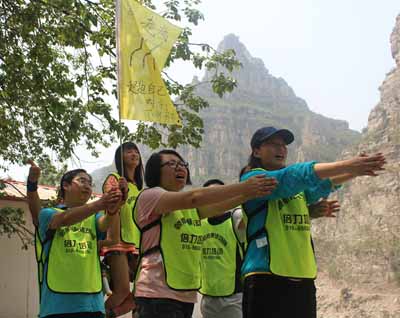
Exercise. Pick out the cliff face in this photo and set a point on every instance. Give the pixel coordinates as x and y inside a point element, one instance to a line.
<point>362,246</point>
<point>260,99</point>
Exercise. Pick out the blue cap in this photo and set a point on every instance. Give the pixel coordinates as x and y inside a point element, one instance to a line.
<point>264,133</point>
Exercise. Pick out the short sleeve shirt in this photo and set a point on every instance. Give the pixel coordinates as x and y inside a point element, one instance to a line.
<point>55,303</point>
<point>151,281</point>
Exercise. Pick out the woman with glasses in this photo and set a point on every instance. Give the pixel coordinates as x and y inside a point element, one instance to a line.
<point>72,283</point>
<point>121,257</point>
<point>171,235</point>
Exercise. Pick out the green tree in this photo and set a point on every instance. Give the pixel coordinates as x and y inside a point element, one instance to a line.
<point>58,72</point>
<point>12,221</point>
<point>51,175</point>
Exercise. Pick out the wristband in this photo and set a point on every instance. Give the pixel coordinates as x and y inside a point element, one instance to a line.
<point>31,186</point>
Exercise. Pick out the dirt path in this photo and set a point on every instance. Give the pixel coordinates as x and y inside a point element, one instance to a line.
<point>339,300</point>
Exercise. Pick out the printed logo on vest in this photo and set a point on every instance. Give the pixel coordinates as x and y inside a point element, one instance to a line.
<point>188,221</point>
<point>296,222</point>
<point>282,202</point>
<point>64,230</point>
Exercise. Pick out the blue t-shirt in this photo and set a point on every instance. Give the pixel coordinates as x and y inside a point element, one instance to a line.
<point>55,303</point>
<point>296,178</point>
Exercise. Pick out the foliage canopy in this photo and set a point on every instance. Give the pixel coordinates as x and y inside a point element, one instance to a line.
<point>58,78</point>
<point>58,84</point>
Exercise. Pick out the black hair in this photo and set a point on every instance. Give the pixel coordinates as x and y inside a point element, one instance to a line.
<point>244,170</point>
<point>138,176</point>
<point>152,174</point>
<point>253,163</point>
<point>213,181</point>
<point>67,177</point>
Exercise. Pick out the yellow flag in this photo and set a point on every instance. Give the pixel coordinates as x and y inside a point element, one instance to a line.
<point>144,42</point>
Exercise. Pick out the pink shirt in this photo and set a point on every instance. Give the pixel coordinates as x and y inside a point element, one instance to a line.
<point>151,281</point>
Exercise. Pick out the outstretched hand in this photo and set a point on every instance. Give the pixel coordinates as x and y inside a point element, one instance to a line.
<point>259,186</point>
<point>364,165</point>
<point>324,208</point>
<point>34,171</point>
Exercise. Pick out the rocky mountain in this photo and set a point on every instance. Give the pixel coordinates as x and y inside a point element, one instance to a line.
<point>260,99</point>
<point>359,251</point>
<point>361,248</point>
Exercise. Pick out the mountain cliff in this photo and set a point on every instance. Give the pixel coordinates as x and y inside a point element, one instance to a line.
<point>260,99</point>
<point>359,251</point>
<point>361,248</point>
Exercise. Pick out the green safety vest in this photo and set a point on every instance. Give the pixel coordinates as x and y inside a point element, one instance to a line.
<point>73,264</point>
<point>218,262</point>
<point>39,259</point>
<point>180,246</point>
<point>288,233</point>
<point>130,233</point>
<point>290,244</point>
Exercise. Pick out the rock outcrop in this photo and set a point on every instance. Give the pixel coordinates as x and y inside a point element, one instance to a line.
<point>260,99</point>
<point>359,251</point>
<point>361,248</point>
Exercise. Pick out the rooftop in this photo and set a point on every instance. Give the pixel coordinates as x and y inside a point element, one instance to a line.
<point>16,191</point>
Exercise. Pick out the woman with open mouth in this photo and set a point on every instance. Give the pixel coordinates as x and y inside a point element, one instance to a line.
<point>279,266</point>
<point>171,235</point>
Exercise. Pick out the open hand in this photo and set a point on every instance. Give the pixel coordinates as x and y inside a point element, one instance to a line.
<point>259,186</point>
<point>364,165</point>
<point>324,208</point>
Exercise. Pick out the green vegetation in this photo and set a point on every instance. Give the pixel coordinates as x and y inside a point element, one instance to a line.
<point>58,76</point>
<point>58,82</point>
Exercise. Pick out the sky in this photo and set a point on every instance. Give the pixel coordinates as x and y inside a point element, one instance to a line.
<point>334,54</point>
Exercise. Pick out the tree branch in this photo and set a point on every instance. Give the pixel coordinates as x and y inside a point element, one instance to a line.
<point>204,45</point>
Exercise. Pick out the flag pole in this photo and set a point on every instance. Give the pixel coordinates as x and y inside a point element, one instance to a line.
<point>117,25</point>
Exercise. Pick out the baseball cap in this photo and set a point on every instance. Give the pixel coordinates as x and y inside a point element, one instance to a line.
<point>264,133</point>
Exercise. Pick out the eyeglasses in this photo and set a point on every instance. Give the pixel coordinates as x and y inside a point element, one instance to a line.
<point>84,181</point>
<point>174,164</point>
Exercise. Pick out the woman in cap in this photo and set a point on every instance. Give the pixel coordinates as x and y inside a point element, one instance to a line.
<point>279,266</point>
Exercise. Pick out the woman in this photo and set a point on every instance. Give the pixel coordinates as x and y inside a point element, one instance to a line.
<point>279,265</point>
<point>72,285</point>
<point>171,235</point>
<point>122,256</point>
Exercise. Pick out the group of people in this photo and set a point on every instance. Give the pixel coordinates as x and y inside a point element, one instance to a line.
<point>246,247</point>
